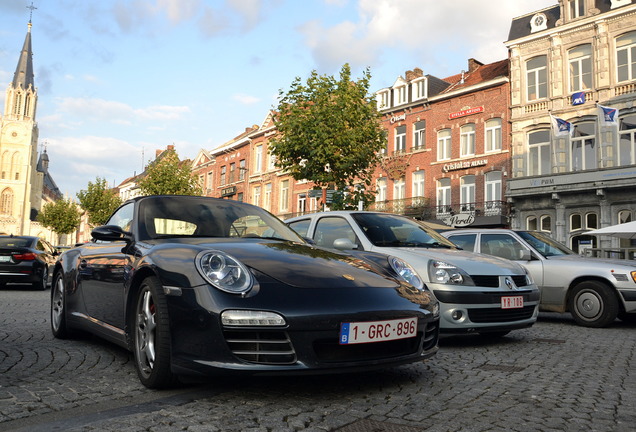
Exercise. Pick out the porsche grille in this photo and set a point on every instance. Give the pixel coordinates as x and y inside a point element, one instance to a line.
<point>265,347</point>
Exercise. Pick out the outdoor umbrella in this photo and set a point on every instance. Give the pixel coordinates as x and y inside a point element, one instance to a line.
<point>625,230</point>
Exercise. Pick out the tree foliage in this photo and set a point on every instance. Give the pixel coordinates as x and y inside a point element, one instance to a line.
<point>167,175</point>
<point>99,201</point>
<point>329,132</point>
<point>62,216</point>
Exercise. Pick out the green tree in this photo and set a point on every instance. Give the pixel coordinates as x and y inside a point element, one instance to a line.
<point>167,175</point>
<point>99,201</point>
<point>329,132</point>
<point>62,216</point>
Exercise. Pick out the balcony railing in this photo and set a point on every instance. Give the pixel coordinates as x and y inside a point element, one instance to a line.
<point>420,208</point>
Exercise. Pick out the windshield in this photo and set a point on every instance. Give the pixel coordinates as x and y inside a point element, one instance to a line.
<point>183,216</point>
<point>544,244</point>
<point>389,230</point>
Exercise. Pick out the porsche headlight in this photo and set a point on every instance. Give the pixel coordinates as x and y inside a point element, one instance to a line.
<point>445,273</point>
<point>224,272</point>
<point>406,272</point>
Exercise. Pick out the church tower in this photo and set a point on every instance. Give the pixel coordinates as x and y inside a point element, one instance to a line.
<point>18,148</point>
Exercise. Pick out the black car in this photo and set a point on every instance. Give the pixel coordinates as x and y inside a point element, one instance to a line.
<point>26,260</point>
<point>196,285</point>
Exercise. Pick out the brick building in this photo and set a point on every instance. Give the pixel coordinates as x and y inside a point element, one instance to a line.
<point>448,151</point>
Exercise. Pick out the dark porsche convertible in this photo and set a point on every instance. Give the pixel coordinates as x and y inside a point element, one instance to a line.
<point>196,286</point>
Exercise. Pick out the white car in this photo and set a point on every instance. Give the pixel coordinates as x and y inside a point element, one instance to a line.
<point>594,290</point>
<point>487,295</point>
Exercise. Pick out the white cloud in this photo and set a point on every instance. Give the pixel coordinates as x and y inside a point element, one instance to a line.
<point>245,99</point>
<point>117,112</point>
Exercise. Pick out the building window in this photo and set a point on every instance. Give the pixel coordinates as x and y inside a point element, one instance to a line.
<point>539,152</point>
<point>443,195</point>
<point>575,222</point>
<point>467,193</point>
<point>419,135</point>
<point>626,57</point>
<point>467,140</point>
<point>284,195</point>
<point>624,216</point>
<point>6,202</point>
<point>591,221</point>
<point>267,198</point>
<point>232,172</point>
<point>576,8</point>
<point>381,190</point>
<point>418,185</point>
<point>492,190</point>
<point>627,142</point>
<point>444,144</point>
<point>302,203</point>
<point>223,174</point>
<point>256,196</point>
<point>16,163</point>
<point>6,164</point>
<point>537,78</point>
<point>493,135</point>
<point>399,95</point>
<point>400,139</point>
<point>271,162</point>
<point>399,189</point>
<point>239,196</point>
<point>583,155</point>
<point>580,68</point>
<point>210,181</point>
<point>383,99</point>
<point>242,170</point>
<point>418,87</point>
<point>258,158</point>
<point>531,223</point>
<point>546,223</point>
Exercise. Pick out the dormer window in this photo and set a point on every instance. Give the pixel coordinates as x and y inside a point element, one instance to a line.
<point>418,89</point>
<point>576,8</point>
<point>399,95</point>
<point>382,99</point>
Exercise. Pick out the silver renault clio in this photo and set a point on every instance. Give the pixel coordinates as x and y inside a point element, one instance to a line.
<point>477,293</point>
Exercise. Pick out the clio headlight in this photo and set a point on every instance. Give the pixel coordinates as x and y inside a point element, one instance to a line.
<point>224,271</point>
<point>445,273</point>
<point>406,272</point>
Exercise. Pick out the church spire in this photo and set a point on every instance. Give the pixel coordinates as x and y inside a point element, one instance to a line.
<point>23,77</point>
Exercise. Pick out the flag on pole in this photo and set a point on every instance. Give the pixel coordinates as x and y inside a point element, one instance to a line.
<point>560,127</point>
<point>607,116</point>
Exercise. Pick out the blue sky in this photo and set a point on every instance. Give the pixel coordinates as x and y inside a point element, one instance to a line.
<point>118,79</point>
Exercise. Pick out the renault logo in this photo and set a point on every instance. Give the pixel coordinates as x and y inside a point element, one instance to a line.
<point>510,284</point>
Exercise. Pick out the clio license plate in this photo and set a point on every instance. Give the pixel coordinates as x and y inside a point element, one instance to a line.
<point>512,302</point>
<point>377,331</point>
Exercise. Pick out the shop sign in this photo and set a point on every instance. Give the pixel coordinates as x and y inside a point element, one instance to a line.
<point>396,119</point>
<point>463,165</point>
<point>578,98</point>
<point>228,191</point>
<point>465,112</point>
<point>460,220</point>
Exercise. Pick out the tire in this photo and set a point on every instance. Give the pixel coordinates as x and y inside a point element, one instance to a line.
<point>43,284</point>
<point>593,304</point>
<point>151,337</point>
<point>58,308</point>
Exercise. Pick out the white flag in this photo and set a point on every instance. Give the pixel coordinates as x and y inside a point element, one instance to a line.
<point>560,127</point>
<point>607,116</point>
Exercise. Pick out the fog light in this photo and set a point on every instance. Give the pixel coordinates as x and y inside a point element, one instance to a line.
<point>251,318</point>
<point>457,315</point>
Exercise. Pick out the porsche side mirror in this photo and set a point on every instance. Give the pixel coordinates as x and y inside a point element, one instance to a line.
<point>111,233</point>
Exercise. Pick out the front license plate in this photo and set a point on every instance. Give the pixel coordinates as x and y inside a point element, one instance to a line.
<point>377,331</point>
<point>512,302</point>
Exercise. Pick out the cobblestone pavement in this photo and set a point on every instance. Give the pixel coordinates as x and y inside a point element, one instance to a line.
<point>555,376</point>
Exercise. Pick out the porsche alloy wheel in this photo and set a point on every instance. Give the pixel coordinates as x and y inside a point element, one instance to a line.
<point>58,317</point>
<point>151,336</point>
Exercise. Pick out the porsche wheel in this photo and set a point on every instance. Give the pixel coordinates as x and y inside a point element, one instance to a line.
<point>151,336</point>
<point>58,308</point>
<point>593,304</point>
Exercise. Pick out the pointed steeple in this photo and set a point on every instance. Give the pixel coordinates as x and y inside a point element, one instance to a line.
<point>23,76</point>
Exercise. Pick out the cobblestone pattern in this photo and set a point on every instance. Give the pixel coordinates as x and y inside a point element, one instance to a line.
<point>555,376</point>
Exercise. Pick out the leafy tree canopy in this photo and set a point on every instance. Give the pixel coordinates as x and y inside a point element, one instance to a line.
<point>329,132</point>
<point>62,216</point>
<point>99,201</point>
<point>166,175</point>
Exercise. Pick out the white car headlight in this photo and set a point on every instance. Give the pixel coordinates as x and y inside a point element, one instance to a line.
<point>406,272</point>
<point>224,271</point>
<point>445,273</point>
